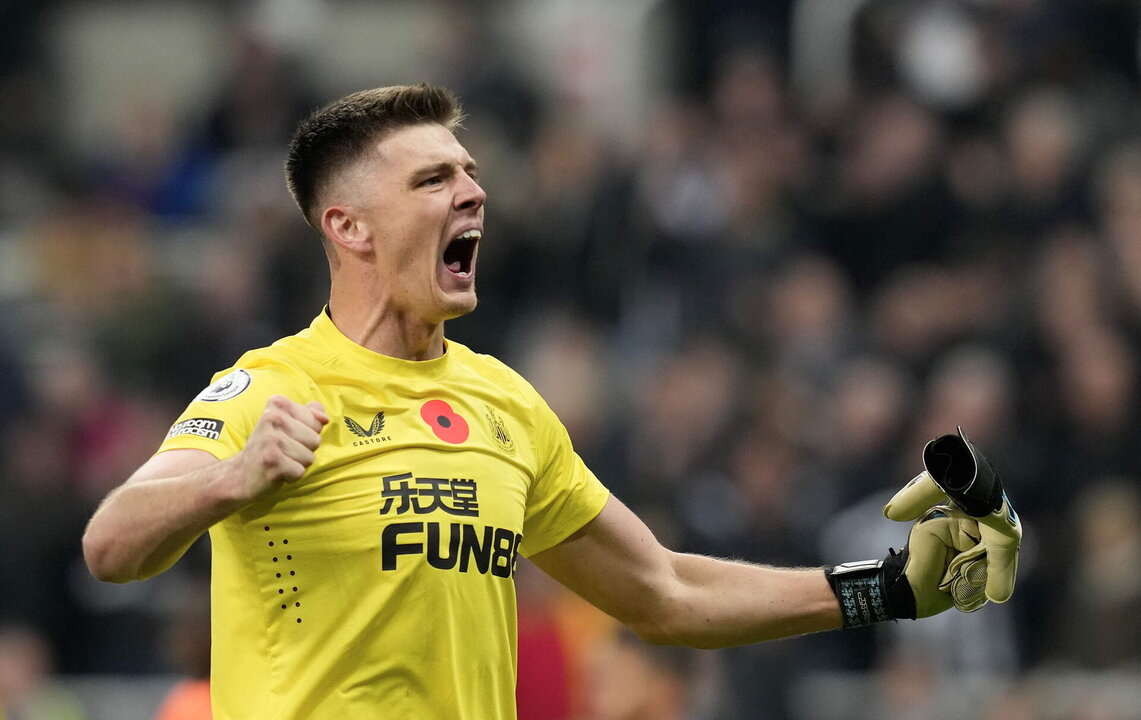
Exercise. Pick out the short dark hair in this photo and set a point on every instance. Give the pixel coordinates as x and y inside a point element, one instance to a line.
<point>342,131</point>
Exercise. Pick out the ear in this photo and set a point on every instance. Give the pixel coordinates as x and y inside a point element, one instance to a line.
<point>346,228</point>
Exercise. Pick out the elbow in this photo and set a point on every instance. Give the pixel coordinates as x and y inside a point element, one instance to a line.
<point>670,615</point>
<point>658,622</point>
<point>99,554</point>
<point>658,615</point>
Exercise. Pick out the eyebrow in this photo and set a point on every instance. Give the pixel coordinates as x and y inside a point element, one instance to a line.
<point>470,167</point>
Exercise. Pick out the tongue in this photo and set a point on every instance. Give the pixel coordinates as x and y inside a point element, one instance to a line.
<point>455,266</point>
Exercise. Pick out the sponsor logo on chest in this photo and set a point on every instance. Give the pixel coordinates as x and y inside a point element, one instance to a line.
<point>458,546</point>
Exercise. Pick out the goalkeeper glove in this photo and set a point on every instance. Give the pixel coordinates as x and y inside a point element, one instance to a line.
<point>906,584</point>
<point>955,469</point>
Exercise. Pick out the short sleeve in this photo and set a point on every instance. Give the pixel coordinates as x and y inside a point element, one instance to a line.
<point>565,495</point>
<point>220,419</point>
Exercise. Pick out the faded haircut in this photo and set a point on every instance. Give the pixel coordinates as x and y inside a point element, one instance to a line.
<point>343,131</point>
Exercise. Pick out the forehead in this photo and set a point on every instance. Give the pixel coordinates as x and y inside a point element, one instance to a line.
<point>410,147</point>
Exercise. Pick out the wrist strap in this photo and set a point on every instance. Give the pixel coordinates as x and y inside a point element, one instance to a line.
<point>860,589</point>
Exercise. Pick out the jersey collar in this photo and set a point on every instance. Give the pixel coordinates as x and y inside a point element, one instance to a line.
<point>330,337</point>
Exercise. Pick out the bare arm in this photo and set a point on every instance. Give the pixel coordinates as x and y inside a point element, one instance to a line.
<point>145,525</point>
<point>674,598</point>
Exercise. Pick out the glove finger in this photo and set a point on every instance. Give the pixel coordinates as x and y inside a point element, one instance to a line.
<point>1004,522</point>
<point>915,498</point>
<point>1002,539</point>
<point>1002,570</point>
<point>958,566</point>
<point>964,579</point>
<point>1000,579</point>
<point>968,588</point>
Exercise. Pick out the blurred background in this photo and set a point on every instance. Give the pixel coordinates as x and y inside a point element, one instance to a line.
<point>754,253</point>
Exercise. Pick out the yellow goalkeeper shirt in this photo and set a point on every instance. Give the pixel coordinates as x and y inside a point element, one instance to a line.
<point>379,585</point>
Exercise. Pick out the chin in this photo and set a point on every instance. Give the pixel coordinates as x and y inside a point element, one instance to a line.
<point>456,307</point>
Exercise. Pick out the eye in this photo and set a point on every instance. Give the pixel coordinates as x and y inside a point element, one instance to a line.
<point>434,180</point>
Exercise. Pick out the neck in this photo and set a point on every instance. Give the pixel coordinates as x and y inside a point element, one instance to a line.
<point>376,324</point>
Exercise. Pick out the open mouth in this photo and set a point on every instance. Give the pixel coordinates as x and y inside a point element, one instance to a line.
<point>460,252</point>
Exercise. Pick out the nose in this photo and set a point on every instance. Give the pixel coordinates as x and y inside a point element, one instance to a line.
<point>469,195</point>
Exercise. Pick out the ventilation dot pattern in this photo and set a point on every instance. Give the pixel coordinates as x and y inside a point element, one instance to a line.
<point>281,590</point>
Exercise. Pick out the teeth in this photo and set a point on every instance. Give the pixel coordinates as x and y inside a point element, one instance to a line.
<point>469,235</point>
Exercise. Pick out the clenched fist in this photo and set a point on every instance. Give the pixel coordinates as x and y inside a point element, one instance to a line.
<point>280,448</point>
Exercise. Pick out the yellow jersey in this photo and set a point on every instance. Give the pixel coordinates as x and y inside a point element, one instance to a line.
<point>379,584</point>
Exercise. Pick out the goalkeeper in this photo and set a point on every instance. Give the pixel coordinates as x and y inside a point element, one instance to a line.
<point>368,484</point>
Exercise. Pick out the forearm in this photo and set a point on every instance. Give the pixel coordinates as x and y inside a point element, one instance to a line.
<point>145,526</point>
<point>676,599</point>
<point>718,603</point>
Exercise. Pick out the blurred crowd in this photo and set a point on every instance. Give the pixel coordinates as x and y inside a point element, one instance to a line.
<point>751,314</point>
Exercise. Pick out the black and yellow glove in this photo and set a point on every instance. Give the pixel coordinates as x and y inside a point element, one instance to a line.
<point>956,470</point>
<point>912,583</point>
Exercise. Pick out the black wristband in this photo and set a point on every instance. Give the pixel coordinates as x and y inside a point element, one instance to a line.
<point>873,591</point>
<point>859,586</point>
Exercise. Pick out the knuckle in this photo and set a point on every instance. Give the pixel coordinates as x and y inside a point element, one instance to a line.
<point>270,459</point>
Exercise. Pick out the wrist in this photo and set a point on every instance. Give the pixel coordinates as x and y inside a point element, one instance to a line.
<point>226,487</point>
<point>872,591</point>
<point>859,589</point>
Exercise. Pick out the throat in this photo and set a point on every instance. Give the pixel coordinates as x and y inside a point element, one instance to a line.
<point>387,331</point>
